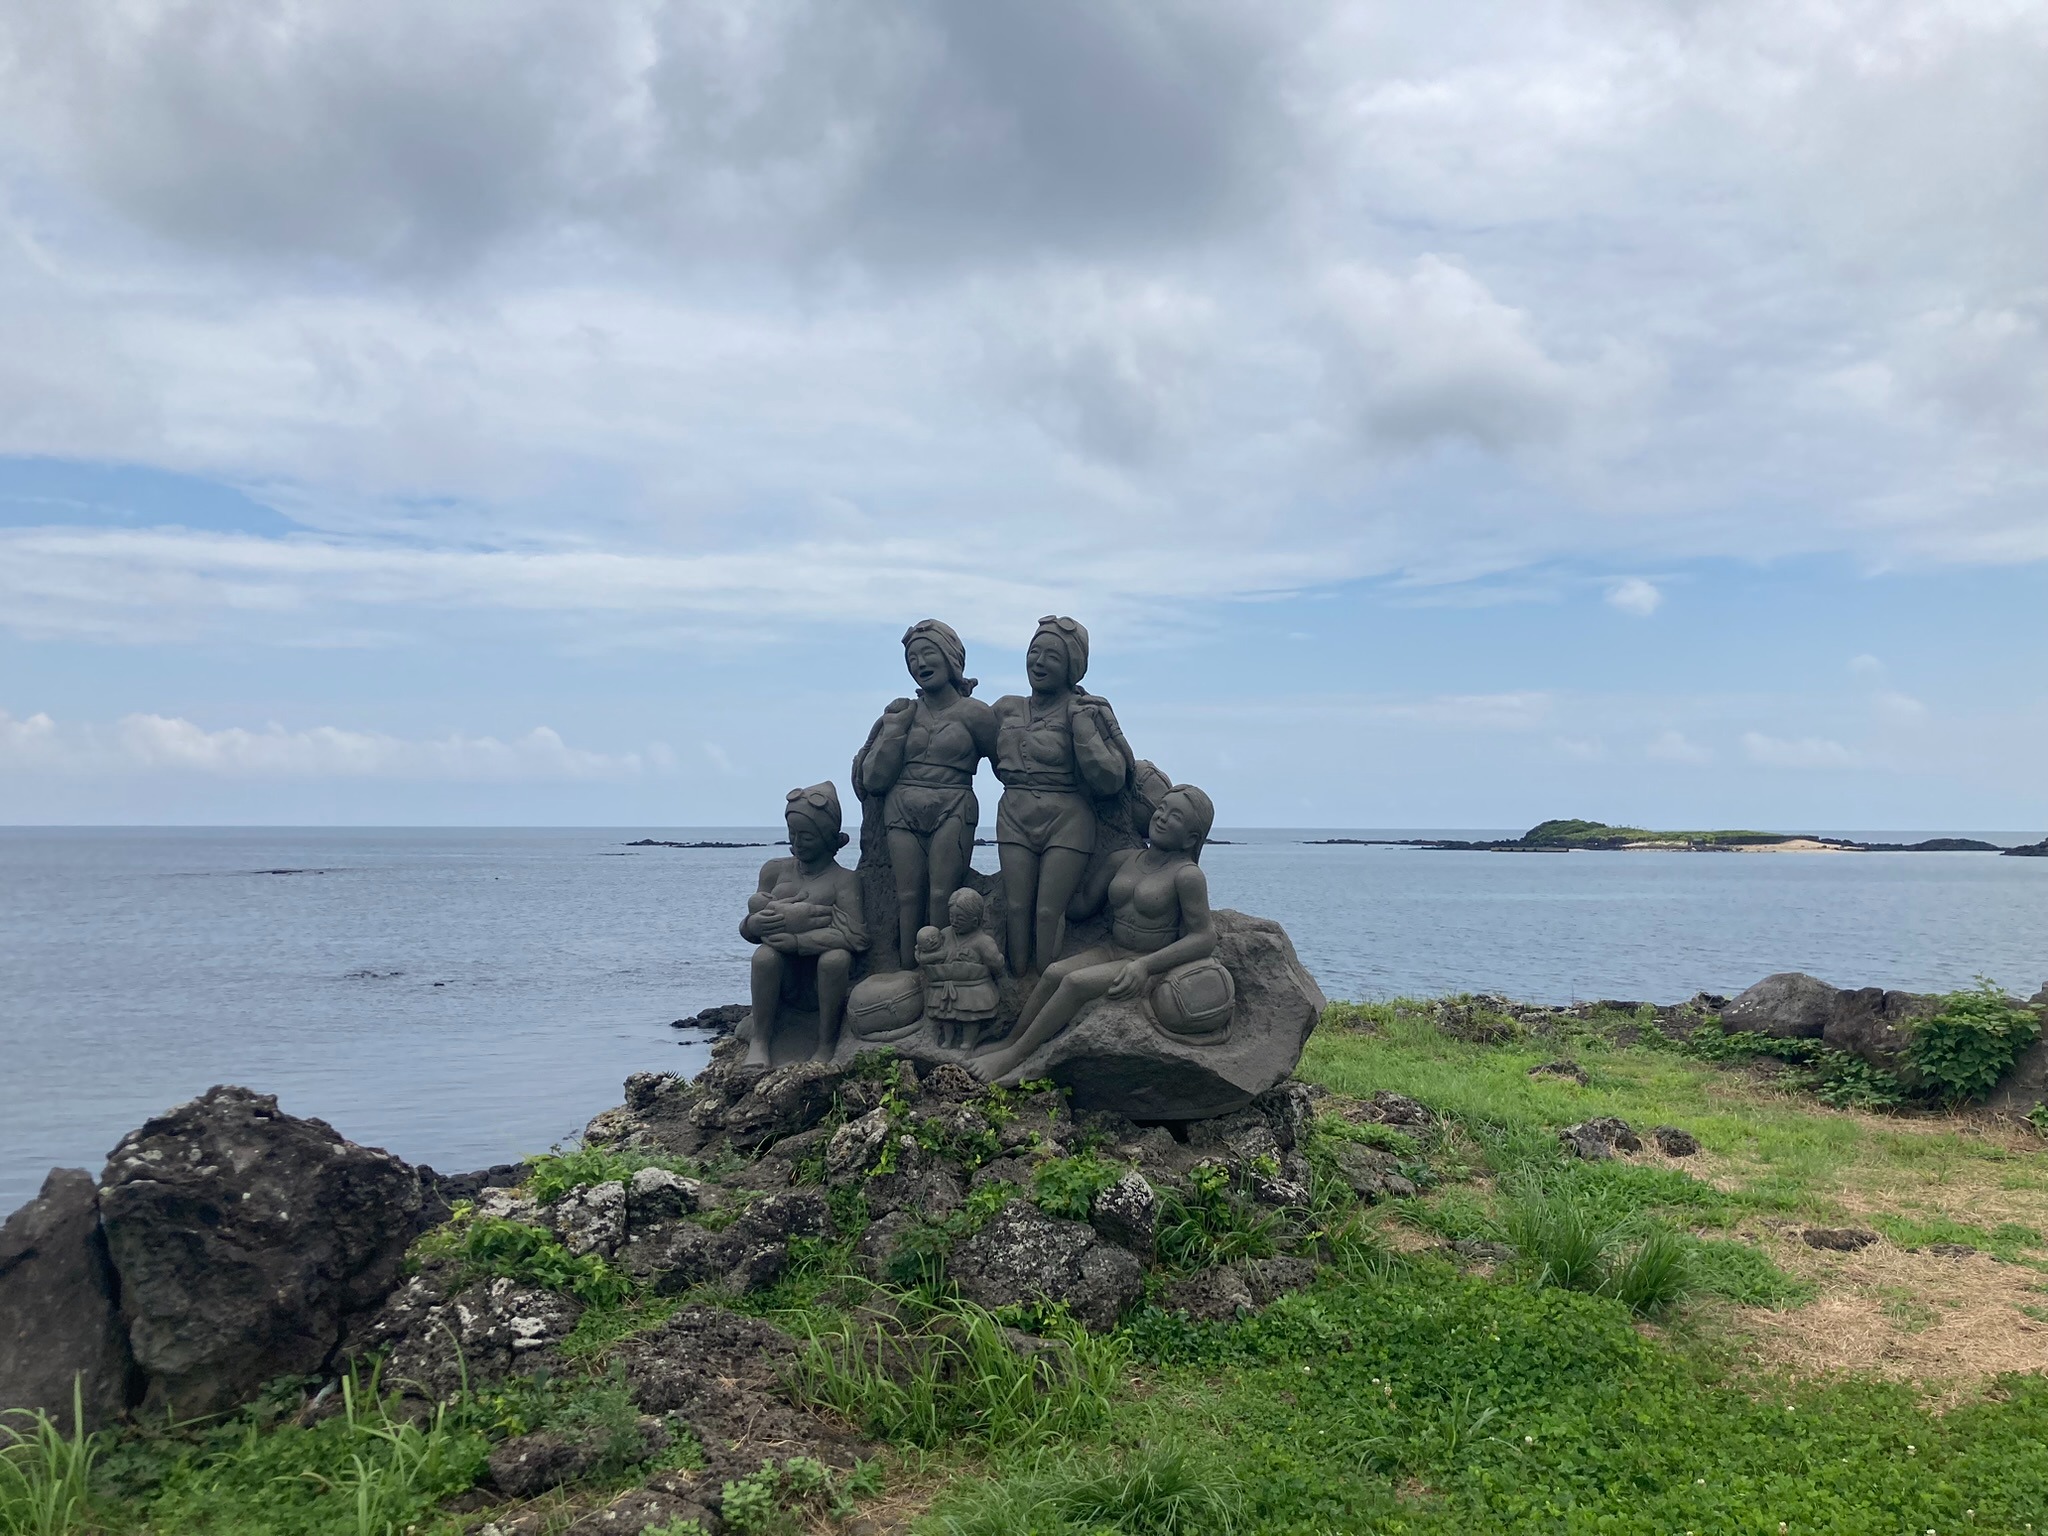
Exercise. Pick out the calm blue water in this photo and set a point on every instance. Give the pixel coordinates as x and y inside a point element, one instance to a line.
<point>464,996</point>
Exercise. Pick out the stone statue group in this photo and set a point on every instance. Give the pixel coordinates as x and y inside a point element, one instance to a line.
<point>1101,895</point>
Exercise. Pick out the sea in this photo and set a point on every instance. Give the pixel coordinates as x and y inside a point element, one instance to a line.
<point>466,997</point>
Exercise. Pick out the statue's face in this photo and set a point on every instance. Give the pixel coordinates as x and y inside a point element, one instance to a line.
<point>926,661</point>
<point>1173,825</point>
<point>1046,662</point>
<point>807,840</point>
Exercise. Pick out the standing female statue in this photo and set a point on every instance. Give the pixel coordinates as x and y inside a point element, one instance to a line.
<point>1158,901</point>
<point>804,916</point>
<point>1057,751</point>
<point>919,760</point>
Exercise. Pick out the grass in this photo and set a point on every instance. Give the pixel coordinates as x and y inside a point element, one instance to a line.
<point>1771,1152</point>
<point>45,1475</point>
<point>1147,1491</point>
<point>555,1174</point>
<point>933,1371</point>
<point>367,1471</point>
<point>1400,1394</point>
<point>491,1245</point>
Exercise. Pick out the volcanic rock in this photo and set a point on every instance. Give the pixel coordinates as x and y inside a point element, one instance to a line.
<point>435,1341</point>
<point>1673,1142</point>
<point>1788,1006</point>
<point>1599,1139</point>
<point>59,1311</point>
<point>1127,1214</point>
<point>1024,1255</point>
<point>245,1239</point>
<point>1877,1025</point>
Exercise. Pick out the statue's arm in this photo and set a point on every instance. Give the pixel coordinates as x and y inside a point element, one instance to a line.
<point>750,929</point>
<point>880,763</point>
<point>839,925</point>
<point>1001,711</point>
<point>1099,749</point>
<point>981,725</point>
<point>989,953</point>
<point>1197,939</point>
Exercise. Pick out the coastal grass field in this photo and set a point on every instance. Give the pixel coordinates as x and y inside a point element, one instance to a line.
<point>1642,1345</point>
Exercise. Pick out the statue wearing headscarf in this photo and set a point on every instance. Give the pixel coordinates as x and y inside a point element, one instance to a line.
<point>1058,751</point>
<point>805,919</point>
<point>919,761</point>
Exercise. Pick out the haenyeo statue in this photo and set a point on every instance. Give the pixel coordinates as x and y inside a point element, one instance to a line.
<point>805,917</point>
<point>1161,930</point>
<point>919,762</point>
<point>1058,751</point>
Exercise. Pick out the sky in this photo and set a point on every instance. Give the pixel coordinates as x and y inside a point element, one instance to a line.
<point>1440,416</point>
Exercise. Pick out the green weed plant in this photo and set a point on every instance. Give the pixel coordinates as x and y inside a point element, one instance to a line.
<point>1964,1049</point>
<point>45,1474</point>
<point>494,1246</point>
<point>935,1371</point>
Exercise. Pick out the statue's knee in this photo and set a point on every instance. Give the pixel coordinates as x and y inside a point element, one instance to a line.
<point>835,965</point>
<point>767,962</point>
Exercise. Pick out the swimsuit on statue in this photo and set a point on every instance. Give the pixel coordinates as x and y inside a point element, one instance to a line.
<point>1042,805</point>
<point>937,782</point>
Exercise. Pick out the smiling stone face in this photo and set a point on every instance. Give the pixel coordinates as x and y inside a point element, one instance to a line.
<point>1045,663</point>
<point>927,663</point>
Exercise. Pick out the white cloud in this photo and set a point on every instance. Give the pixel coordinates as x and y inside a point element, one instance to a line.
<point>1434,356</point>
<point>1800,752</point>
<point>1866,666</point>
<point>689,291</point>
<point>146,743</point>
<point>1900,708</point>
<point>1523,711</point>
<point>1676,747</point>
<point>1634,595</point>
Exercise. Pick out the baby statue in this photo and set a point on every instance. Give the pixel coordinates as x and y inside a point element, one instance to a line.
<point>961,965</point>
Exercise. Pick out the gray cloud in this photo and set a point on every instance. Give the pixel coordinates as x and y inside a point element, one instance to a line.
<point>1348,285</point>
<point>392,135</point>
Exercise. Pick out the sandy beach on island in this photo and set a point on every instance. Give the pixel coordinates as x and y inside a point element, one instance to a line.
<point>1794,845</point>
<point>1790,845</point>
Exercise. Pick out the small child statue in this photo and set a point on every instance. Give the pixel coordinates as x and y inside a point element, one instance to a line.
<point>961,965</point>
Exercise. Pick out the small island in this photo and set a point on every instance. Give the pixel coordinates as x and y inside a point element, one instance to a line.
<point>1567,836</point>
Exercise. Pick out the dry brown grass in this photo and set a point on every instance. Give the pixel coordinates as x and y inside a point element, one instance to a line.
<point>1944,1323</point>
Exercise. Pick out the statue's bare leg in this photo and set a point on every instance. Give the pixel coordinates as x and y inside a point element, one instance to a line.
<point>1074,991</point>
<point>907,863</point>
<point>952,847</point>
<point>766,989</point>
<point>1020,894</point>
<point>1049,983</point>
<point>835,980</point>
<point>1059,875</point>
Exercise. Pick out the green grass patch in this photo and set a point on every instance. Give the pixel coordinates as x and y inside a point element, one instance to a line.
<point>935,1371</point>
<point>2008,1240</point>
<point>1067,1186</point>
<point>367,1471</point>
<point>1527,1410</point>
<point>493,1246</point>
<point>45,1474</point>
<point>558,1172</point>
